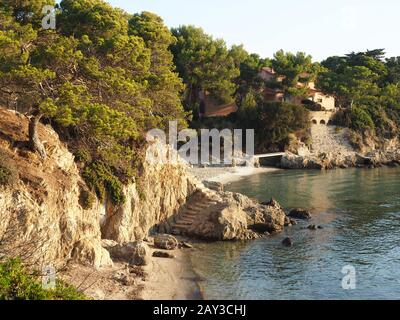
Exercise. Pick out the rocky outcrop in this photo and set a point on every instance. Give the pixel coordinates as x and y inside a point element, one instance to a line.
<point>215,215</point>
<point>154,198</point>
<point>270,215</point>
<point>331,148</point>
<point>320,162</point>
<point>328,161</point>
<point>41,219</point>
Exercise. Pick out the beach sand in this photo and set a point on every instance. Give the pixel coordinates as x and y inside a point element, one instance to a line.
<point>227,175</point>
<point>171,279</point>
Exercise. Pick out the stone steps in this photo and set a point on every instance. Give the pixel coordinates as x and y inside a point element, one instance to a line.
<point>185,223</point>
<point>194,212</point>
<point>180,227</point>
<point>185,218</point>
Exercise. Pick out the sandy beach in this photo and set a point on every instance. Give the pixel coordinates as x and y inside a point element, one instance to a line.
<point>227,175</point>
<point>171,279</point>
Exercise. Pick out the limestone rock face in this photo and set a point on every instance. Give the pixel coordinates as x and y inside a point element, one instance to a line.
<point>41,219</point>
<point>157,196</point>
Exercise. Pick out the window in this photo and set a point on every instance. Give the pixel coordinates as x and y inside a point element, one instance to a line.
<point>320,100</point>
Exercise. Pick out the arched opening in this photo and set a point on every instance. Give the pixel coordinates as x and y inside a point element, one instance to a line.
<point>314,121</point>
<point>322,122</point>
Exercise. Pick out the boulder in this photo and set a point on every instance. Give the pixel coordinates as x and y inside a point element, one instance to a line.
<point>165,241</point>
<point>135,253</point>
<point>161,254</point>
<point>213,185</point>
<point>186,245</point>
<point>226,222</point>
<point>300,214</point>
<point>287,242</point>
<point>87,251</point>
<point>269,214</point>
<point>312,227</point>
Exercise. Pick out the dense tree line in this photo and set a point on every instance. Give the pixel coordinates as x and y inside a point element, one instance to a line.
<point>104,77</point>
<point>366,86</point>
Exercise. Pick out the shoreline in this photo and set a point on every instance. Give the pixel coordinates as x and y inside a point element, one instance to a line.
<point>226,175</point>
<point>177,279</point>
<point>171,279</point>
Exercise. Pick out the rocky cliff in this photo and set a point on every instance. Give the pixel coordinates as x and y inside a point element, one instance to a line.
<point>42,220</point>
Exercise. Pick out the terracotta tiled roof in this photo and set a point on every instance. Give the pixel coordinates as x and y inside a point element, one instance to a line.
<point>268,70</point>
<point>220,111</point>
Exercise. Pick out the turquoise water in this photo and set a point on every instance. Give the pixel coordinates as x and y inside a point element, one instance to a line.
<point>360,212</point>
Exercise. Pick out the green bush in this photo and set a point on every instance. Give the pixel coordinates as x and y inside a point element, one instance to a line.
<point>86,199</point>
<point>274,123</point>
<point>82,155</point>
<point>18,283</point>
<point>8,170</point>
<point>100,178</point>
<point>361,120</point>
<point>356,118</point>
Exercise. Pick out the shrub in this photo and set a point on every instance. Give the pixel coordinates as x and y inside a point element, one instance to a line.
<point>86,199</point>
<point>100,179</point>
<point>274,123</point>
<point>19,283</point>
<point>356,118</point>
<point>8,170</point>
<point>361,120</point>
<point>82,155</point>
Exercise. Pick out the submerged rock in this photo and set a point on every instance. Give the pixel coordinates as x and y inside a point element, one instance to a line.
<point>287,242</point>
<point>300,214</point>
<point>166,241</point>
<point>312,227</point>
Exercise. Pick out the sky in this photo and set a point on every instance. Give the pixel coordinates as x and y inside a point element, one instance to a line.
<point>318,27</point>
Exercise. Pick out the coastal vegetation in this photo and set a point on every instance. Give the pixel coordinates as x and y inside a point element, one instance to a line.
<point>104,77</point>
<point>366,86</point>
<point>17,282</point>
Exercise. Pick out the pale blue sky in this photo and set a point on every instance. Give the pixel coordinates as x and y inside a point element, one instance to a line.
<point>318,27</point>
